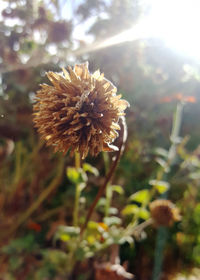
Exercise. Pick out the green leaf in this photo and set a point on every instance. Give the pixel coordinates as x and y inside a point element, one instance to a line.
<point>130,209</point>
<point>94,228</point>
<point>89,168</point>
<point>25,244</point>
<point>140,196</point>
<point>162,163</point>
<point>196,254</point>
<point>101,202</point>
<point>194,175</point>
<point>144,214</point>
<point>76,175</point>
<point>161,186</point>
<point>117,189</point>
<point>66,230</point>
<point>83,253</point>
<point>65,237</point>
<point>57,257</point>
<point>161,152</point>
<point>93,225</point>
<point>91,239</point>
<point>125,239</point>
<point>73,174</point>
<point>82,187</point>
<point>112,220</point>
<point>113,211</point>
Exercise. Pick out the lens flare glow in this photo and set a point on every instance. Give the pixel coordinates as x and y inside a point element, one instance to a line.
<point>176,22</point>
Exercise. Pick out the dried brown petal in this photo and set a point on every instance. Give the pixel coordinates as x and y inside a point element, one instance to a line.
<point>79,111</point>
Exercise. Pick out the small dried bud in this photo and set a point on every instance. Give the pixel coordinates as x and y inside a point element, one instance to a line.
<point>164,212</point>
<point>79,111</point>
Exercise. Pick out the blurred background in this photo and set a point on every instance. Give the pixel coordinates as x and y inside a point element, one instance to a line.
<point>150,50</point>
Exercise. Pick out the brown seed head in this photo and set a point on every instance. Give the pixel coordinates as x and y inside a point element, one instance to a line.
<point>79,111</point>
<point>164,212</point>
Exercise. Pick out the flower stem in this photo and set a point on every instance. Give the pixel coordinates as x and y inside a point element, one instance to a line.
<point>123,137</point>
<point>77,192</point>
<point>108,190</point>
<point>108,200</point>
<point>76,205</point>
<point>77,160</point>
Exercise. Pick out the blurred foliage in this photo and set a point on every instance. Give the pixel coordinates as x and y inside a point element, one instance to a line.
<point>37,237</point>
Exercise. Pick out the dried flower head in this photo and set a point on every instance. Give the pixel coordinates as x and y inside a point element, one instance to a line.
<point>164,212</point>
<point>79,111</point>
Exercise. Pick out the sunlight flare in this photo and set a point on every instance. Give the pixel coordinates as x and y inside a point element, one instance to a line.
<point>176,22</point>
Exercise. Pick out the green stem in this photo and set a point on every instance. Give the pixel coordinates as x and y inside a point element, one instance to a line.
<point>136,230</point>
<point>77,192</point>
<point>106,161</point>
<point>163,232</point>
<point>77,160</point>
<point>108,191</point>
<point>108,200</point>
<point>159,252</point>
<point>76,205</point>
